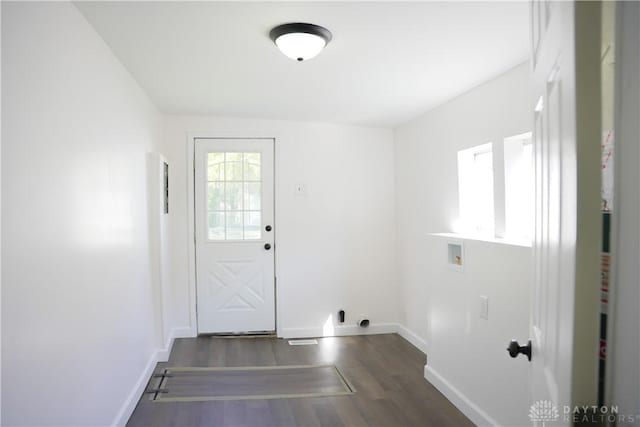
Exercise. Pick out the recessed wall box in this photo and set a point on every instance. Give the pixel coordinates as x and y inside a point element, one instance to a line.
<point>455,256</point>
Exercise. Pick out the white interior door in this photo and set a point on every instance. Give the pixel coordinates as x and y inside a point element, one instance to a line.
<point>558,135</point>
<point>234,212</point>
<point>554,241</point>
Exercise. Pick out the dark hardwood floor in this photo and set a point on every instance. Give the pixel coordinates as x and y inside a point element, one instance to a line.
<point>385,370</point>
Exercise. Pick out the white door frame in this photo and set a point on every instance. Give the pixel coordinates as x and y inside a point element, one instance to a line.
<point>191,235</point>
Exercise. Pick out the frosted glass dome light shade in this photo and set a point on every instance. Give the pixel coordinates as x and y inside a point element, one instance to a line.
<point>300,41</point>
<point>300,46</point>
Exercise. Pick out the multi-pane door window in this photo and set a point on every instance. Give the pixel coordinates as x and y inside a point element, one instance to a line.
<point>234,196</point>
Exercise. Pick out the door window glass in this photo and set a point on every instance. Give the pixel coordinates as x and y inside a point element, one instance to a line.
<point>234,196</point>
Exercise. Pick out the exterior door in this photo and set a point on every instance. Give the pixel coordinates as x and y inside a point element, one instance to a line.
<point>234,212</point>
<point>564,200</point>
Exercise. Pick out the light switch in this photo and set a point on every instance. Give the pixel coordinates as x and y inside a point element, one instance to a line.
<point>484,307</point>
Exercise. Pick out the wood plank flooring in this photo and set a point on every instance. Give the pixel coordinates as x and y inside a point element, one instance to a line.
<point>385,370</point>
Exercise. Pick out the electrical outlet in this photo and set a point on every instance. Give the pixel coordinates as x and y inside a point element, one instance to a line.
<point>484,307</point>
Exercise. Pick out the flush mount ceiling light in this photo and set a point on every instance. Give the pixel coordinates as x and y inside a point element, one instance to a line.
<point>300,41</point>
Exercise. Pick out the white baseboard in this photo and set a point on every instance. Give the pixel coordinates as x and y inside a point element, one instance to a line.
<point>160,355</point>
<point>340,331</point>
<point>413,338</point>
<point>132,399</point>
<point>462,402</point>
<point>163,353</point>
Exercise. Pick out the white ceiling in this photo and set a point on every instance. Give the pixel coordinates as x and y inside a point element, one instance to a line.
<point>387,63</point>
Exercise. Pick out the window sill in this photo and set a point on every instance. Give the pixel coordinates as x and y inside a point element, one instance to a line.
<point>481,238</point>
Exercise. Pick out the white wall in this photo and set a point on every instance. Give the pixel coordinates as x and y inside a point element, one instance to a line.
<point>77,314</point>
<point>335,245</point>
<point>442,306</point>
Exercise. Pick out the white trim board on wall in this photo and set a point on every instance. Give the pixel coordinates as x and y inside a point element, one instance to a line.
<point>191,137</point>
<point>160,355</point>
<point>413,338</point>
<point>478,416</point>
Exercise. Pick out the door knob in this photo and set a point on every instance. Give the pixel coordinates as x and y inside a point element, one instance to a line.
<point>268,228</point>
<point>514,349</point>
<point>267,246</point>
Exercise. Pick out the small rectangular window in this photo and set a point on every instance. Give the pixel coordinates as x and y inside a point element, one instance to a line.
<point>475,189</point>
<point>519,176</point>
